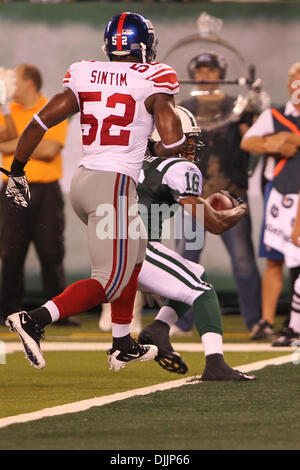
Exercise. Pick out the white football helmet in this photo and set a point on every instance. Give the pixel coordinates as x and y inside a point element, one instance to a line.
<point>192,131</point>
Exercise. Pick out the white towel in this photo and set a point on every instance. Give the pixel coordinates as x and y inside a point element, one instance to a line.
<point>280,215</point>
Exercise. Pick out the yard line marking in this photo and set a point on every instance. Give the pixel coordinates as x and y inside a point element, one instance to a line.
<point>275,361</point>
<point>12,347</point>
<point>84,405</point>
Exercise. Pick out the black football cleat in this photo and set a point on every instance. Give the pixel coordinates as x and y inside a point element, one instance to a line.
<point>30,334</point>
<point>158,333</point>
<point>216,369</point>
<point>118,360</point>
<point>229,376</point>
<point>263,330</point>
<point>287,337</point>
<point>172,362</point>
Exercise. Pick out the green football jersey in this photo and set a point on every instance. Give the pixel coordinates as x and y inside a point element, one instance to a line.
<point>162,183</point>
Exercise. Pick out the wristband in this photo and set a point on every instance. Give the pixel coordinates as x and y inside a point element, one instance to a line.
<point>5,109</point>
<point>17,168</point>
<point>237,198</point>
<point>175,144</point>
<point>40,122</point>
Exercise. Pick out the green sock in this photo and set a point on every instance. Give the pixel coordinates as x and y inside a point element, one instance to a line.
<point>208,317</point>
<point>179,307</point>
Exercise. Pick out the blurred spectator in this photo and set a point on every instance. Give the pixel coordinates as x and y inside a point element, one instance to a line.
<point>276,132</point>
<point>291,213</point>
<point>8,80</point>
<point>7,129</point>
<point>224,166</point>
<point>272,280</point>
<point>43,222</point>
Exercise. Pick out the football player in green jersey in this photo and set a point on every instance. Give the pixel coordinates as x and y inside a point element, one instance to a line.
<point>165,185</point>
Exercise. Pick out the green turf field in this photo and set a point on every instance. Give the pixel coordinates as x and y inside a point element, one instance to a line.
<point>199,416</point>
<point>259,415</point>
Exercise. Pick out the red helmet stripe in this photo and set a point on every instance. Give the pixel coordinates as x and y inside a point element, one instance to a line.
<point>119,31</point>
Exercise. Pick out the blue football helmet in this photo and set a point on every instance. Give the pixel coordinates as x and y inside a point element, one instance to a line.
<point>130,33</point>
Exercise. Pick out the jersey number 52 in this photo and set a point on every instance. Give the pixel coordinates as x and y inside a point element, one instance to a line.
<point>113,120</point>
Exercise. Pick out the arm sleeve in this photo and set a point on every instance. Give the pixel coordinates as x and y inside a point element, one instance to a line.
<point>184,179</point>
<point>163,79</point>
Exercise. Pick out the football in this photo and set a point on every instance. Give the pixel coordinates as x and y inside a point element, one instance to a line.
<point>219,201</point>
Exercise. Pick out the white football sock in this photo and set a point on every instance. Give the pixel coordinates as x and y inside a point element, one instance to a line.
<point>52,309</point>
<point>167,315</point>
<point>118,330</point>
<point>212,343</point>
<point>295,322</point>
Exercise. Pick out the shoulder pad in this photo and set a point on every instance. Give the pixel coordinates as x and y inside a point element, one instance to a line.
<point>70,72</point>
<point>163,76</point>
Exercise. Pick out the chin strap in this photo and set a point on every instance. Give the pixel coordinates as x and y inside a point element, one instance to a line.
<point>144,49</point>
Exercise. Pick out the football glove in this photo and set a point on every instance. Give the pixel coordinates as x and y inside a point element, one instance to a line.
<point>236,200</point>
<point>150,147</point>
<point>17,190</point>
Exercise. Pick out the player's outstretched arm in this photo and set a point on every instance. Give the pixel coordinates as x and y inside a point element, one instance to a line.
<point>167,123</point>
<point>60,107</point>
<point>215,221</point>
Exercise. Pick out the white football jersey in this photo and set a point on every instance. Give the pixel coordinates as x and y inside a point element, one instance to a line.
<point>114,121</point>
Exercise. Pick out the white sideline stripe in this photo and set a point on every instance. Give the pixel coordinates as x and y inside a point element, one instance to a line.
<point>84,405</point>
<point>11,347</point>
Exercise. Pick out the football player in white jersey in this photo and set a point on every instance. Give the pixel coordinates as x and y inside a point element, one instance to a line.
<point>119,102</point>
<point>165,183</point>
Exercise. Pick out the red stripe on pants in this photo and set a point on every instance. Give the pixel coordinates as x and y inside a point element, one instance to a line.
<point>122,308</point>
<point>115,243</point>
<point>125,243</point>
